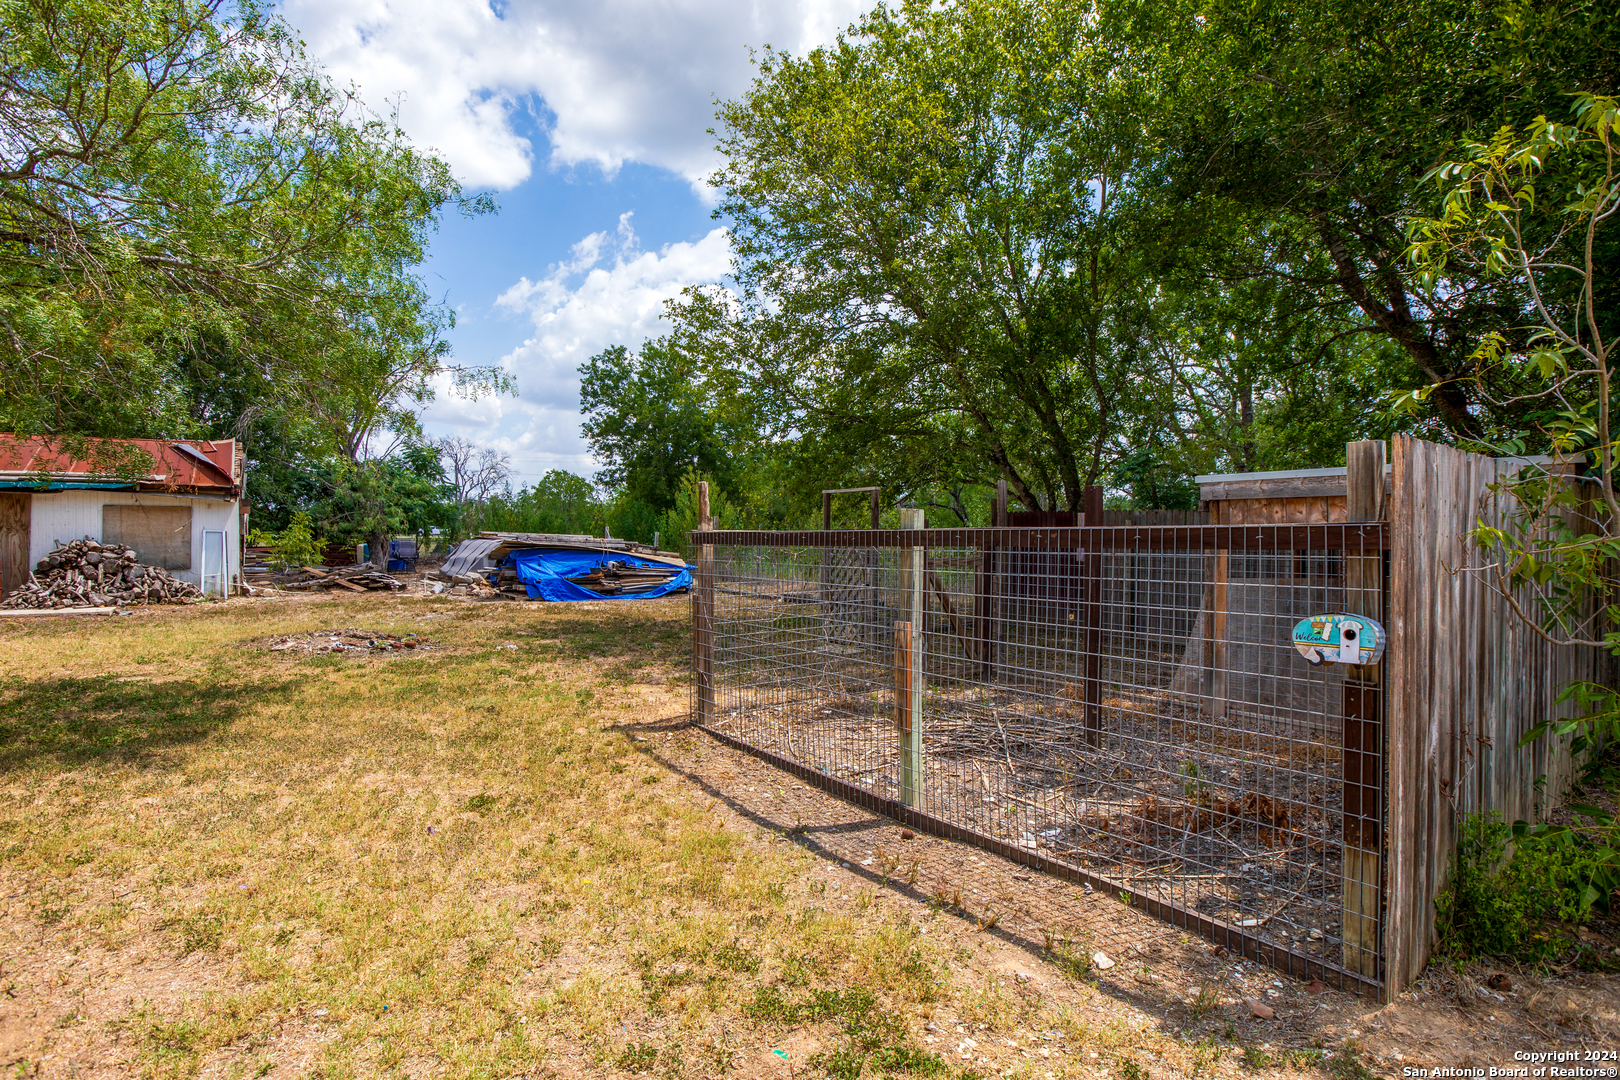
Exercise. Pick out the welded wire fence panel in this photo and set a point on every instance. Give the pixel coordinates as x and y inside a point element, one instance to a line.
<point>1126,705</point>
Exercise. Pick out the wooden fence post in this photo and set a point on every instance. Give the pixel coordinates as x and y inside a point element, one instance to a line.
<point>1363,758</point>
<point>703,615</point>
<point>985,587</point>
<point>910,649</point>
<point>1093,607</point>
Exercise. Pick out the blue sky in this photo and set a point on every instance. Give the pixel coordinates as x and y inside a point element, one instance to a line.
<point>587,122</point>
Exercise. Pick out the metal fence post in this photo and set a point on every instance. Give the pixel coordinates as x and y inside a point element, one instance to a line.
<point>1363,758</point>
<point>910,647</point>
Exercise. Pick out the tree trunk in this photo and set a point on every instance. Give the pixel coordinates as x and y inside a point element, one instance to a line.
<point>1246,415</point>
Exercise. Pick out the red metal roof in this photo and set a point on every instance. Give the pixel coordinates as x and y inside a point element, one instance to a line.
<point>212,467</point>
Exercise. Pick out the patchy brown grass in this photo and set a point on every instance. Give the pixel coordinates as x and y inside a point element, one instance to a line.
<point>502,856</point>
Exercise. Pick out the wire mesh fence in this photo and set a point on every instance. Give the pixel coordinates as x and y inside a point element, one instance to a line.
<point>1122,706</point>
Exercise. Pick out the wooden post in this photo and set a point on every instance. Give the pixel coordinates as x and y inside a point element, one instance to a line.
<point>703,615</point>
<point>1092,583</point>
<point>902,695</point>
<point>910,681</point>
<point>1363,758</point>
<point>985,585</point>
<point>1218,569</point>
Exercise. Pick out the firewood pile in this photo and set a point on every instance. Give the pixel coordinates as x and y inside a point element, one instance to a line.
<point>85,573</point>
<point>361,578</point>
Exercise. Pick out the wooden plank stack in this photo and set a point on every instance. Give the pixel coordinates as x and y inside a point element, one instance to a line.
<point>256,568</point>
<point>615,578</point>
<point>359,578</point>
<point>86,573</point>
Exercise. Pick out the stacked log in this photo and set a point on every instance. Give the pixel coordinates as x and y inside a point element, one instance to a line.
<point>256,568</point>
<point>86,573</point>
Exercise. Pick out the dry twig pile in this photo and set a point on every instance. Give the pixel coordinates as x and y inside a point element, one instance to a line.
<point>349,639</point>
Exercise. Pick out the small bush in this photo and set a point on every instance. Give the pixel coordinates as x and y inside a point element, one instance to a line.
<point>296,544</point>
<point>1511,907</point>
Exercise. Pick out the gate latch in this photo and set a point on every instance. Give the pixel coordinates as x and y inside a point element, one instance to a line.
<point>1340,639</point>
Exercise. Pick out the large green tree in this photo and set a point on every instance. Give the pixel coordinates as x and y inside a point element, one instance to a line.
<point>1325,118</point>
<point>940,278</point>
<point>651,416</point>
<point>185,199</point>
<point>962,256</point>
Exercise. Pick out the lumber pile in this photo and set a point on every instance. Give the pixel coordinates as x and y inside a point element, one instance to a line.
<point>360,578</point>
<point>256,568</point>
<point>86,573</point>
<point>619,579</point>
<point>614,578</point>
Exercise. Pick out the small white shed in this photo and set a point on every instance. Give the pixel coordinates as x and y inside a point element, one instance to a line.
<point>177,503</point>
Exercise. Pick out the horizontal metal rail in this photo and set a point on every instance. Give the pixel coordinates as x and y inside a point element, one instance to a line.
<point>1372,536</point>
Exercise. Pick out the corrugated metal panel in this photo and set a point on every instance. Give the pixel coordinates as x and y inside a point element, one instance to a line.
<point>469,557</point>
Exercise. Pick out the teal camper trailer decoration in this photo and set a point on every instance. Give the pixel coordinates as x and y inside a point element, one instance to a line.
<point>1340,639</point>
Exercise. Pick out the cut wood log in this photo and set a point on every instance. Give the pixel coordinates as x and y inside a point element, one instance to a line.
<point>84,574</point>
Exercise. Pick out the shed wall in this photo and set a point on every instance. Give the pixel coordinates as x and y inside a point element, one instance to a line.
<point>59,516</point>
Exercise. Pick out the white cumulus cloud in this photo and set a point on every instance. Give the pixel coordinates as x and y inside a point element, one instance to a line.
<point>608,292</point>
<point>607,83</point>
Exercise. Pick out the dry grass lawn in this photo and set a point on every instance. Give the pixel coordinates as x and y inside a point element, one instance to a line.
<point>490,857</point>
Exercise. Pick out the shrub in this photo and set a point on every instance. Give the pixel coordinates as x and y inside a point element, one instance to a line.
<point>1512,906</point>
<point>295,545</point>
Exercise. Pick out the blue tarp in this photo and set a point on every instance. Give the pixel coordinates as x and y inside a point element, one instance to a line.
<point>546,573</point>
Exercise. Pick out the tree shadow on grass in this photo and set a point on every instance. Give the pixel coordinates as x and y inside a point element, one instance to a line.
<point>72,721</point>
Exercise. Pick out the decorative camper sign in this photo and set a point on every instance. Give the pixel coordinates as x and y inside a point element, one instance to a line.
<point>1340,639</point>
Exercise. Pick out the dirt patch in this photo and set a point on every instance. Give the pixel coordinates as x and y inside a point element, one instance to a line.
<point>350,640</point>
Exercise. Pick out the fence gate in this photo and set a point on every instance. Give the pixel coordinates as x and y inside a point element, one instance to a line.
<point>1123,707</point>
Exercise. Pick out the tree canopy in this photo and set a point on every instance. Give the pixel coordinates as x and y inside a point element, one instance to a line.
<point>1028,240</point>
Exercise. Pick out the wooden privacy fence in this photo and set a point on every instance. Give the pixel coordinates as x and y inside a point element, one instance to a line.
<point>903,668</point>
<point>1469,679</point>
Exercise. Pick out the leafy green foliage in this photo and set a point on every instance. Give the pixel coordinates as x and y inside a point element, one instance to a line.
<point>966,252</point>
<point>940,281</point>
<point>296,544</point>
<point>1152,483</point>
<point>650,418</point>
<point>1501,906</point>
<point>188,198</point>
<point>559,502</point>
<point>1318,119</point>
<point>372,501</point>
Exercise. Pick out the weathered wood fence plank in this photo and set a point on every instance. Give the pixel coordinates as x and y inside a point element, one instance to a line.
<point>1467,679</point>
